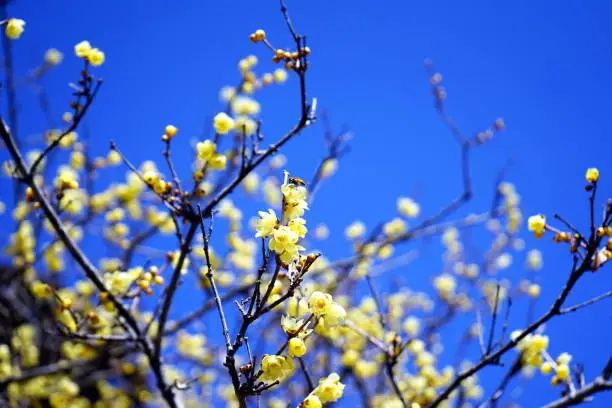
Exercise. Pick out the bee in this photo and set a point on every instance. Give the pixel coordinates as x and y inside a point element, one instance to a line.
<point>246,368</point>
<point>297,181</point>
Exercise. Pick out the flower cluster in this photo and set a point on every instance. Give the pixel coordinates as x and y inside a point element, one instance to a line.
<point>284,236</point>
<point>90,54</point>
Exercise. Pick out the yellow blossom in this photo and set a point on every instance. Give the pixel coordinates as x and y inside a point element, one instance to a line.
<point>329,168</point>
<point>330,389</point>
<point>206,149</point>
<point>82,49</point>
<point>355,230</point>
<point>223,123</point>
<point>320,303</point>
<point>394,227</point>
<point>546,368</point>
<point>170,131</point>
<point>218,162</point>
<point>276,367</point>
<point>408,207</point>
<point>298,225</point>
<point>14,28</point>
<point>53,56</point>
<point>280,75</point>
<point>562,371</point>
<point>592,175</point>
<point>534,260</point>
<point>95,57</point>
<point>311,401</point>
<point>445,284</point>
<point>297,347</point>
<point>335,315</point>
<point>534,290</point>
<point>537,225</point>
<point>266,223</point>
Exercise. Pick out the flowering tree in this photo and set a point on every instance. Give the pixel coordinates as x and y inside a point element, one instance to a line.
<point>85,330</point>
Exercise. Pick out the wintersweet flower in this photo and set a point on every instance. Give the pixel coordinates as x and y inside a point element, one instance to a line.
<point>82,49</point>
<point>276,368</point>
<point>335,315</point>
<point>280,75</point>
<point>355,230</point>
<point>408,207</point>
<point>537,225</point>
<point>311,401</point>
<point>14,28</point>
<point>95,57</point>
<point>298,225</point>
<point>295,210</point>
<point>283,240</point>
<point>206,149</point>
<point>592,175</point>
<point>297,347</point>
<point>320,303</point>
<point>53,56</point>
<point>330,389</point>
<point>223,123</point>
<point>218,162</point>
<point>266,224</point>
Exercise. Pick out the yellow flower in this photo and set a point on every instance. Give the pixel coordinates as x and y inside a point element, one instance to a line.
<point>206,149</point>
<point>330,389</point>
<point>320,303</point>
<point>350,357</point>
<point>412,325</point>
<point>218,162</point>
<point>355,230</point>
<point>53,56</point>
<point>251,182</point>
<point>41,290</point>
<point>243,105</point>
<point>298,225</point>
<point>283,239</point>
<point>82,49</point>
<point>335,315</point>
<point>562,371</point>
<point>445,284</point>
<point>276,367</point>
<point>564,358</point>
<point>171,131</point>
<point>537,225</point>
<point>534,290</point>
<point>14,28</point>
<point>267,79</point>
<point>408,207</point>
<point>293,193</point>
<point>592,175</point>
<point>329,168</point>
<point>280,75</point>
<point>534,260</point>
<point>95,57</point>
<point>546,368</point>
<point>321,231</point>
<point>266,224</point>
<point>245,125</point>
<point>394,227</point>
<point>258,35</point>
<point>223,123</point>
<point>312,401</point>
<point>297,347</point>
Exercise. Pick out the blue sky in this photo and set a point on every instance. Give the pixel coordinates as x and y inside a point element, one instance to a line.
<point>543,66</point>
